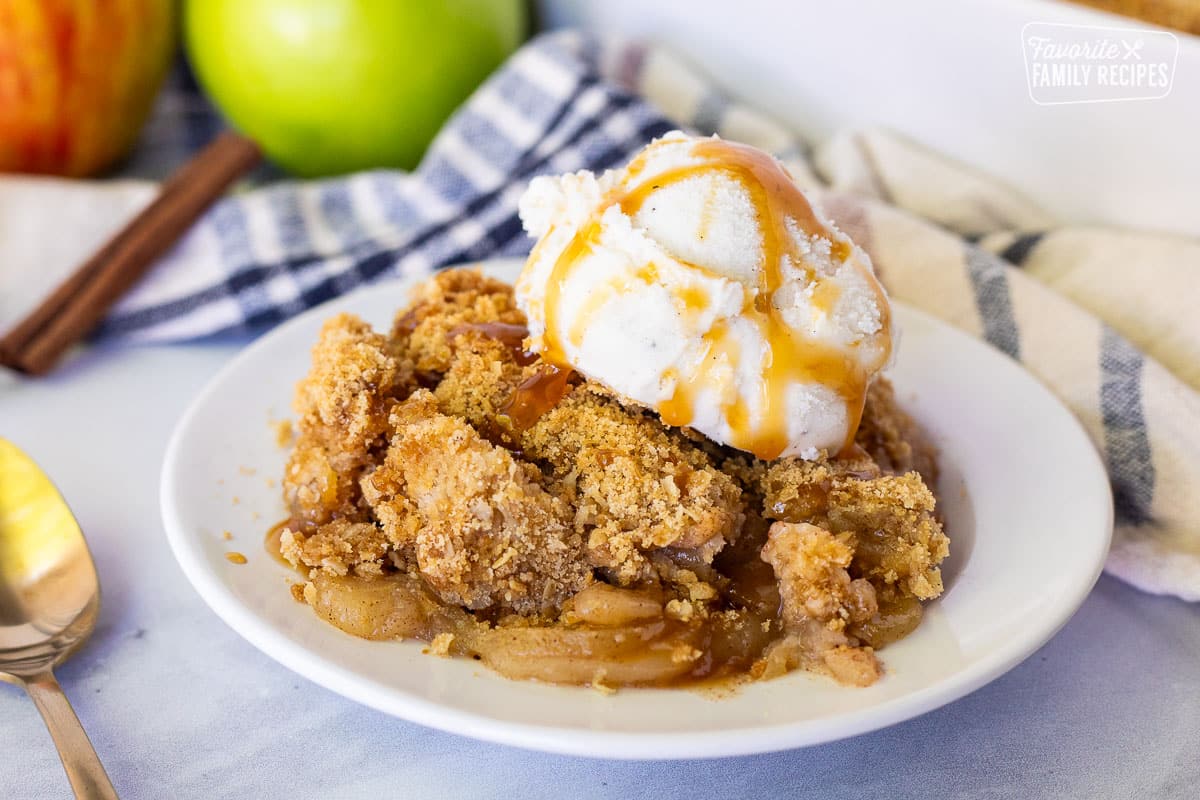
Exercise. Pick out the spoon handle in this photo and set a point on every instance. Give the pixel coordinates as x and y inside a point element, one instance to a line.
<point>84,770</point>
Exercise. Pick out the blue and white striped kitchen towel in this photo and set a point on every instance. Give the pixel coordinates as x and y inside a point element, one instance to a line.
<point>1105,318</point>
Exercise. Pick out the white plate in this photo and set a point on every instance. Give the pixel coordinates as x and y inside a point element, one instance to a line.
<point>1025,498</point>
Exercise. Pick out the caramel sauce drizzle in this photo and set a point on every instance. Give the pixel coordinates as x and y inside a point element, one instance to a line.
<point>536,395</point>
<point>789,357</point>
<point>511,336</point>
<point>406,324</point>
<point>579,245</point>
<point>707,211</point>
<point>825,295</point>
<point>594,302</point>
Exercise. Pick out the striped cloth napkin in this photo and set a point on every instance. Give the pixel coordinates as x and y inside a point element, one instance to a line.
<point>1104,317</point>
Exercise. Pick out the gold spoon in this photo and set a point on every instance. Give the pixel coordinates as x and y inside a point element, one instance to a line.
<point>49,599</point>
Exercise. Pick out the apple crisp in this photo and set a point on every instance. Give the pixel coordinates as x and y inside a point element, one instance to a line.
<point>447,485</point>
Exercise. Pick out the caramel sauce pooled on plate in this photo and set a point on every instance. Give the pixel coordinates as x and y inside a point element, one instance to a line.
<point>273,545</point>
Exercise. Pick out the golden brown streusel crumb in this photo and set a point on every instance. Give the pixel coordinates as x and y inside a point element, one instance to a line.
<point>598,436</point>
<point>344,400</point>
<point>891,437</point>
<point>900,541</point>
<point>283,432</point>
<point>342,407</point>
<point>684,653</point>
<point>235,558</point>
<point>795,490</point>
<point>492,537</point>
<point>316,492</point>
<point>682,610</point>
<point>440,644</point>
<point>338,548</point>
<point>816,648</point>
<point>479,379</point>
<point>819,601</point>
<point>451,299</point>
<point>742,467</point>
<point>633,487</point>
<point>810,564</point>
<point>599,685</point>
<point>385,494</point>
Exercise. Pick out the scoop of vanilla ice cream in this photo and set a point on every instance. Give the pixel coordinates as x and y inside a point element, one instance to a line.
<point>700,282</point>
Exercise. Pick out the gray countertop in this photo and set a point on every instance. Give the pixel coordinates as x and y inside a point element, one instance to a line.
<point>179,706</point>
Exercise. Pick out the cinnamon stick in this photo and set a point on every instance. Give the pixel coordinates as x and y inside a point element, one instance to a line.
<point>70,312</point>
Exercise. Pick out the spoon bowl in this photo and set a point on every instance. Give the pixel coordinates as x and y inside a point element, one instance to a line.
<point>49,601</point>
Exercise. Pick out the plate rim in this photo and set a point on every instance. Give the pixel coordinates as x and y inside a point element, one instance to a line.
<point>564,740</point>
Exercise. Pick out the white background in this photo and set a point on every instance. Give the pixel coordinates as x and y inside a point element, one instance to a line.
<point>950,75</point>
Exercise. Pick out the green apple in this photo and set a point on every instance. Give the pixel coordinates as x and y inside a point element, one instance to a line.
<point>332,86</point>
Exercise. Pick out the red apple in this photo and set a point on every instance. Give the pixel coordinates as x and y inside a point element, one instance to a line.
<point>77,79</point>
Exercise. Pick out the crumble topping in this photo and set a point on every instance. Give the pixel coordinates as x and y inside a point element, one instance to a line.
<point>583,540</point>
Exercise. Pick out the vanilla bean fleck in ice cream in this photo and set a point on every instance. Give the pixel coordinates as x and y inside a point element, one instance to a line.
<point>700,281</point>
